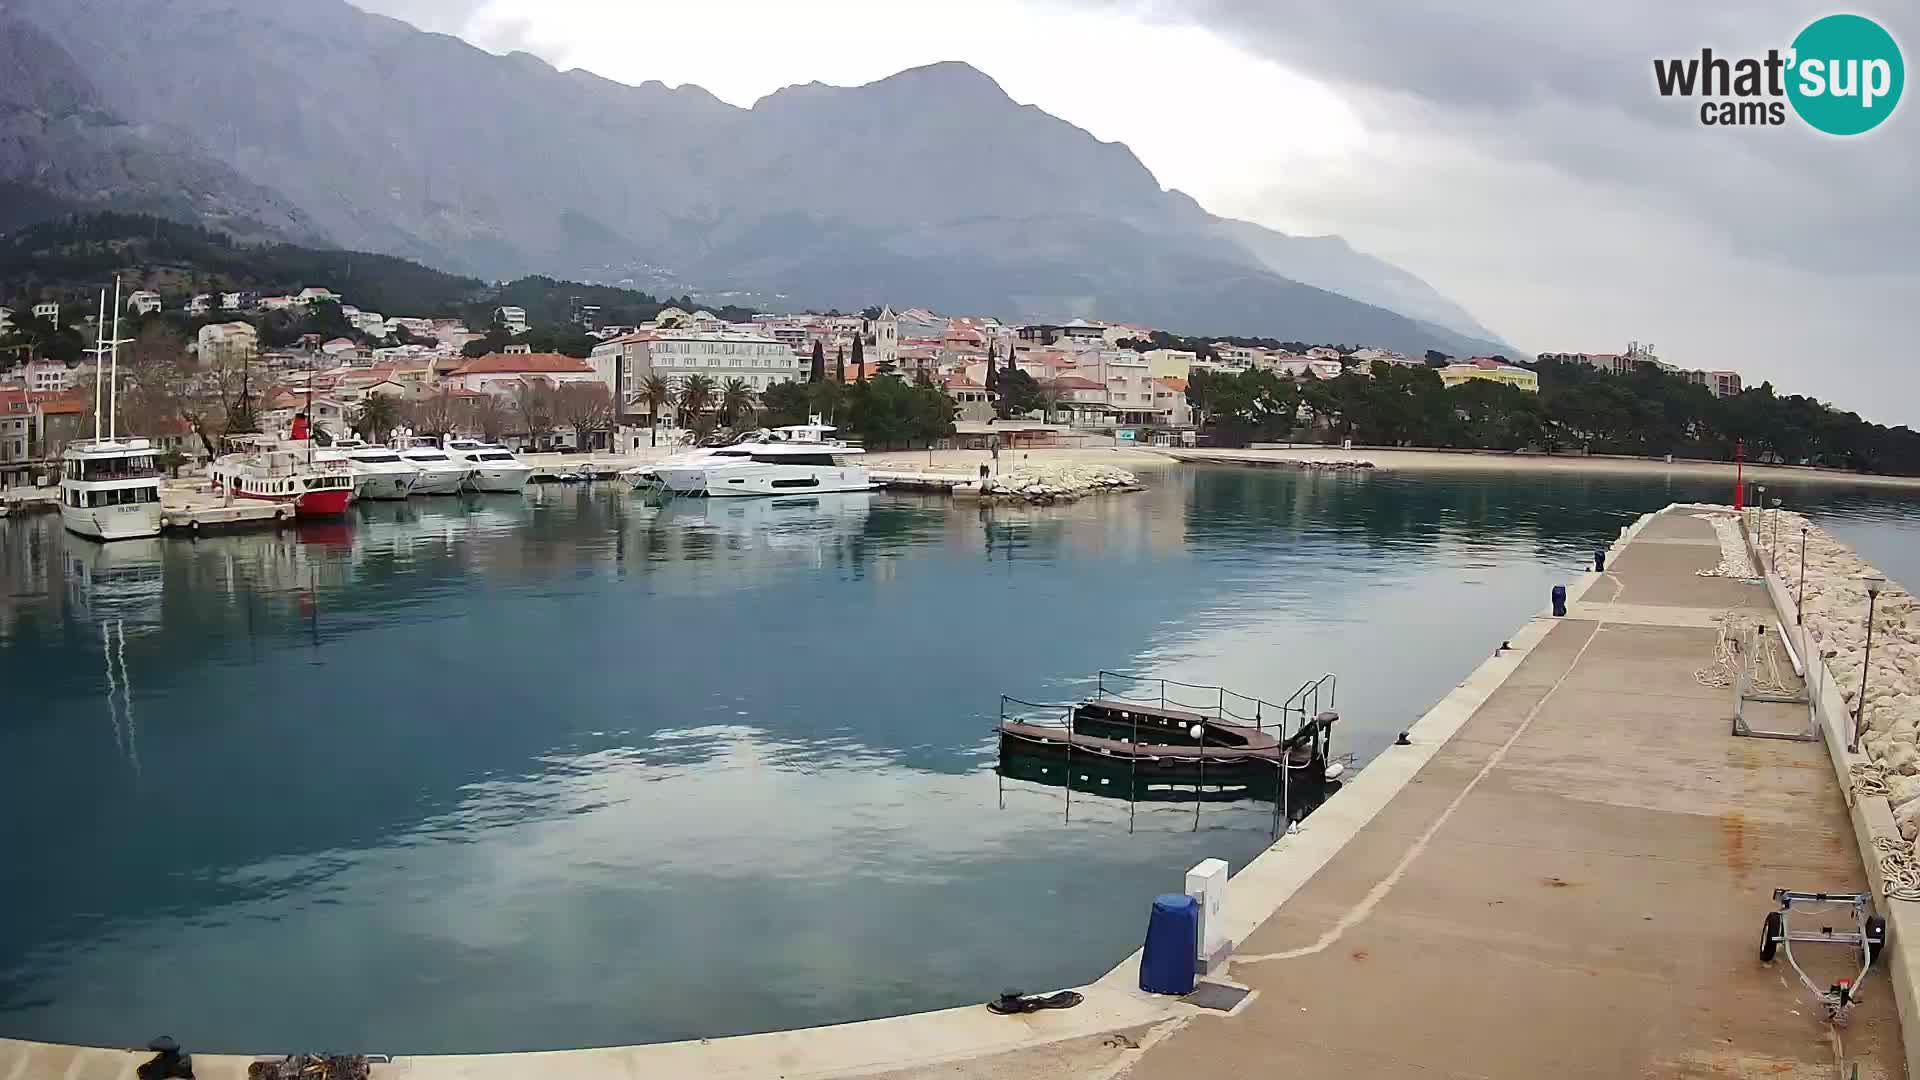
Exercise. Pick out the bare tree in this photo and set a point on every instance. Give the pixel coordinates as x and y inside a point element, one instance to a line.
<point>160,385</point>
<point>586,407</point>
<point>436,415</point>
<point>533,402</point>
<point>488,415</point>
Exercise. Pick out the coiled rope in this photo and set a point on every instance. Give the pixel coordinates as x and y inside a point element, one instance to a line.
<point>1767,678</point>
<point>1898,870</point>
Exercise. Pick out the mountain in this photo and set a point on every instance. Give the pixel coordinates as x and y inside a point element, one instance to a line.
<point>929,187</point>
<point>62,149</point>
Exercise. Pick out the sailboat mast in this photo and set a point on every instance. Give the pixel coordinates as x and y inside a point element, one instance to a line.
<point>113,377</point>
<point>99,327</point>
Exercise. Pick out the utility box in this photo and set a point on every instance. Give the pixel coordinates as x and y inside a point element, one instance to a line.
<point>1207,884</point>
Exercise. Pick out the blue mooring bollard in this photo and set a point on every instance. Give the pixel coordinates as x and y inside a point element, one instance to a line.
<point>1599,560</point>
<point>1559,601</point>
<point>1173,936</point>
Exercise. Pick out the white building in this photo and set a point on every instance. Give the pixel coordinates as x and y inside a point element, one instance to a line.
<point>230,301</point>
<point>143,302</point>
<point>48,311</point>
<point>315,296</point>
<point>227,344</point>
<point>47,376</point>
<point>200,304</point>
<point>512,318</point>
<point>626,352</point>
<point>6,319</point>
<point>719,355</point>
<point>368,322</point>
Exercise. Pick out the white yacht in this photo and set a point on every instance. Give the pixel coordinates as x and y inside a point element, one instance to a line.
<point>646,475</point>
<point>439,473</point>
<point>110,487</point>
<point>798,460</point>
<point>494,468</point>
<point>379,472</point>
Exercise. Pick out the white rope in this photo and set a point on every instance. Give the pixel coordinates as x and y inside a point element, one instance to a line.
<point>1898,871</point>
<point>1767,678</point>
<point>1733,548</point>
<point>1869,778</point>
<point>1897,868</point>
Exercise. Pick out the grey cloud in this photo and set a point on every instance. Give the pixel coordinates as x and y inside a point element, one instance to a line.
<point>1570,84</point>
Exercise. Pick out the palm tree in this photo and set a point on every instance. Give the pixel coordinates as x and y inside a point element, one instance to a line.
<point>696,394</point>
<point>736,400</point>
<point>658,394</point>
<point>376,417</point>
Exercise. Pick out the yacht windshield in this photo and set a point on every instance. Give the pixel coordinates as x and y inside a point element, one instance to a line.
<point>497,455</point>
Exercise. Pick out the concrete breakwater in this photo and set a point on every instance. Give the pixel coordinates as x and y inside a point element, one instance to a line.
<point>1833,605</point>
<point>1056,482</point>
<point>1270,460</point>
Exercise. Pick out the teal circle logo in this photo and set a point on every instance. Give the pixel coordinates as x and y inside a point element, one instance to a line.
<point>1846,74</point>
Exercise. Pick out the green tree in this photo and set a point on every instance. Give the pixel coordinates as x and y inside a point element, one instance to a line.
<point>736,402</point>
<point>657,393</point>
<point>785,403</point>
<point>1019,394</point>
<point>859,359</point>
<point>697,395</point>
<point>818,372</point>
<point>376,417</point>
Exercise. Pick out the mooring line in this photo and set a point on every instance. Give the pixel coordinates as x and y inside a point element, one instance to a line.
<point>1364,908</point>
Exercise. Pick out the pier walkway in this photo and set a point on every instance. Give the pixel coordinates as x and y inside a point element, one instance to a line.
<point>1573,885</point>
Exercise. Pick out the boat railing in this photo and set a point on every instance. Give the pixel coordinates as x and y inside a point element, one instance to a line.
<point>1036,713</point>
<point>1306,702</point>
<point>1224,705</point>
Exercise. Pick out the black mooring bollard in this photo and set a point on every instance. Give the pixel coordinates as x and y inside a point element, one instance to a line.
<point>1559,601</point>
<point>1599,560</point>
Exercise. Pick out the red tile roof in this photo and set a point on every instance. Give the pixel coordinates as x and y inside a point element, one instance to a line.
<point>1075,382</point>
<point>519,363</point>
<point>59,402</point>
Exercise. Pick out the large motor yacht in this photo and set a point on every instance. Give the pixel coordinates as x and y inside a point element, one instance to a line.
<point>797,460</point>
<point>493,467</point>
<point>110,486</point>
<point>379,472</point>
<point>439,474</point>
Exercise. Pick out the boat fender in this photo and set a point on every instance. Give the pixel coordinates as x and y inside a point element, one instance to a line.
<point>1336,770</point>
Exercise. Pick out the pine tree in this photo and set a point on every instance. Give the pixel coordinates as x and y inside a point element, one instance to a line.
<point>819,372</point>
<point>840,364</point>
<point>993,379</point>
<point>859,360</point>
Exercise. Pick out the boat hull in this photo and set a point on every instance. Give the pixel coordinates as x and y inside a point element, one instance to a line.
<point>328,502</point>
<point>127,522</point>
<point>498,481</point>
<point>750,481</point>
<point>439,482</point>
<point>393,485</point>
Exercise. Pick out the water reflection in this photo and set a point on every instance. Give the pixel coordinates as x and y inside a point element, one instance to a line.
<point>498,773</point>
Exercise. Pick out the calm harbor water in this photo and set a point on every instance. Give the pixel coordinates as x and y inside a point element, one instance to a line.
<point>493,774</point>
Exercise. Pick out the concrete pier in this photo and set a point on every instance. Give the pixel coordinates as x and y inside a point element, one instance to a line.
<point>1563,874</point>
<point>1573,884</point>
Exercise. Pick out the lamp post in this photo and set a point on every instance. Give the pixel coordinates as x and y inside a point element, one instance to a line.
<point>1773,534</point>
<point>1874,585</point>
<point>1800,600</point>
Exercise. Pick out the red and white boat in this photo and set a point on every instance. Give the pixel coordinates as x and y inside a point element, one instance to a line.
<point>257,467</point>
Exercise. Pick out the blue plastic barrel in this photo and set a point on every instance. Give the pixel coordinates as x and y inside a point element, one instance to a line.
<point>1559,600</point>
<point>1173,938</point>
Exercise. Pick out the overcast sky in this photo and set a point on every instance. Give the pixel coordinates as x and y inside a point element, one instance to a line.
<point>1515,156</point>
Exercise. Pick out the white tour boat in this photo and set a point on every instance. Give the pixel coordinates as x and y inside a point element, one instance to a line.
<point>110,487</point>
<point>379,472</point>
<point>439,474</point>
<point>313,483</point>
<point>647,475</point>
<point>797,460</point>
<point>493,467</point>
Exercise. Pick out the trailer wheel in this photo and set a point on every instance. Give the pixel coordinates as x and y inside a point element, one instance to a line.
<point>1770,934</point>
